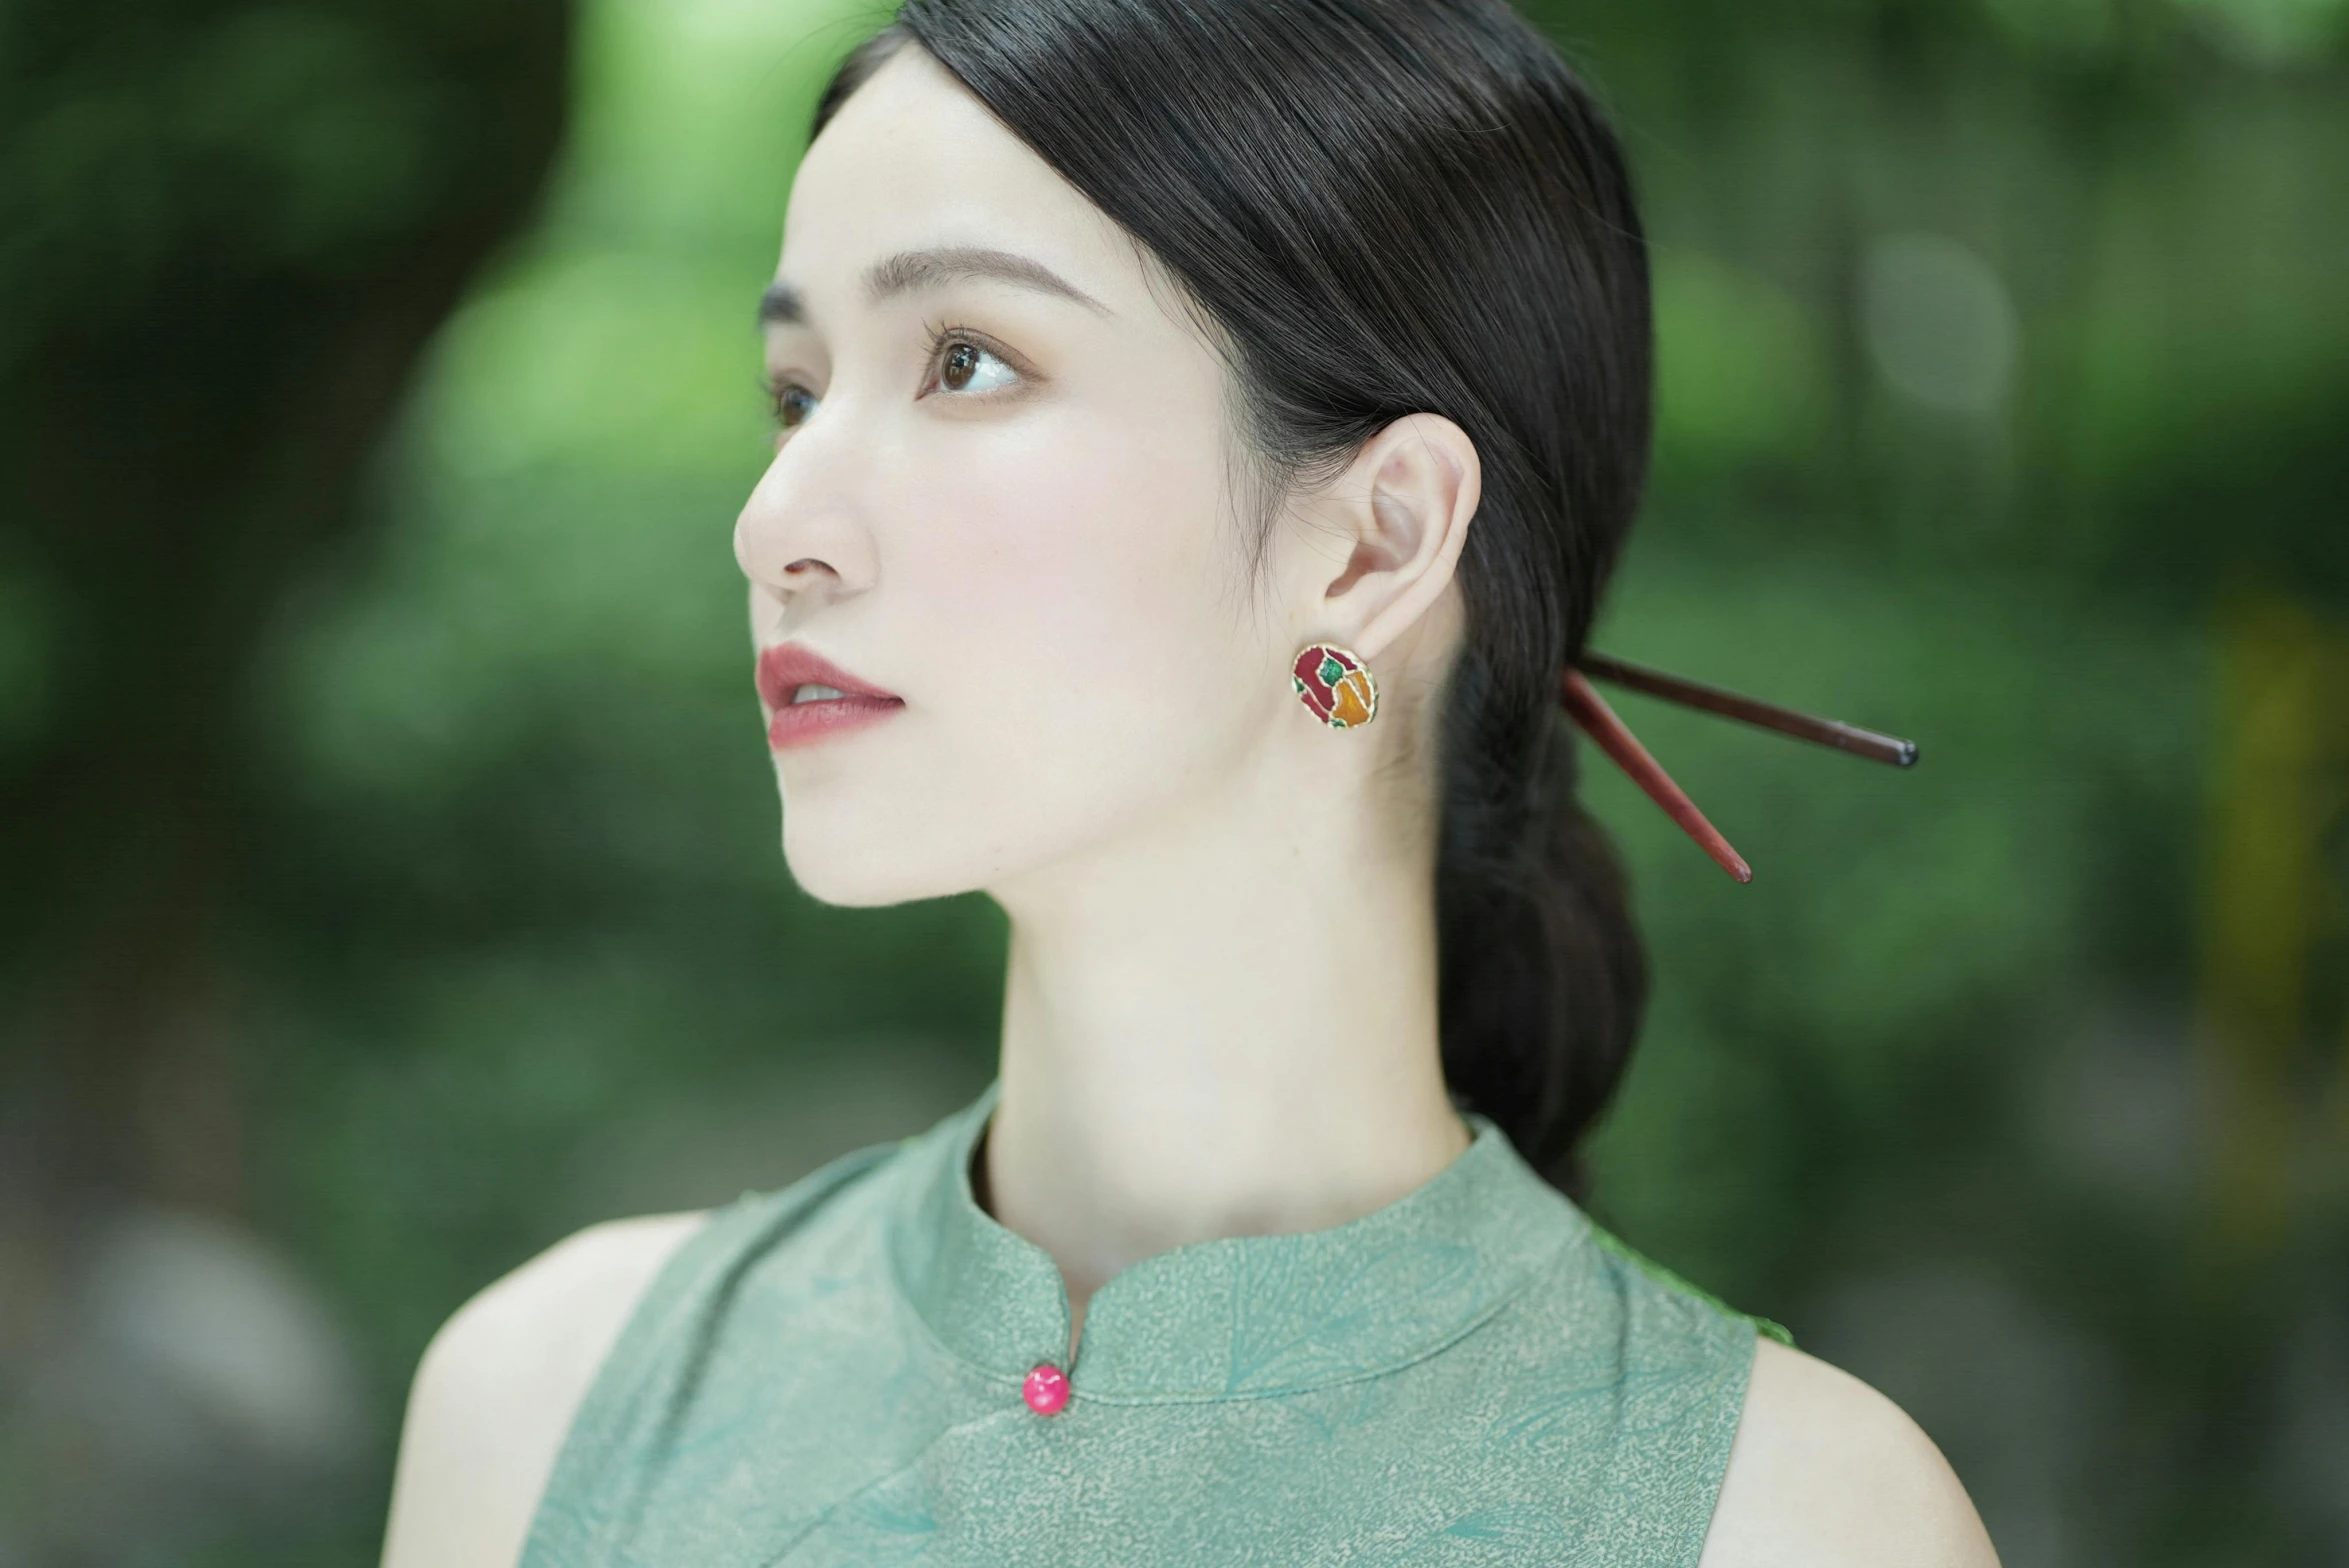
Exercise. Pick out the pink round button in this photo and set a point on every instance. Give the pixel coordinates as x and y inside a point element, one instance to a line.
<point>1046,1389</point>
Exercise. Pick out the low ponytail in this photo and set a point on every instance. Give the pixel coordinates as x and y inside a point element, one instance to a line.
<point>1543,978</point>
<point>1388,207</point>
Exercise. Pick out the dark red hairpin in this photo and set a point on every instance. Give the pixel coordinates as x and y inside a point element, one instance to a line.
<point>1589,710</point>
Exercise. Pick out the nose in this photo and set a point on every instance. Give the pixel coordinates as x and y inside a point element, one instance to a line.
<point>801,535</point>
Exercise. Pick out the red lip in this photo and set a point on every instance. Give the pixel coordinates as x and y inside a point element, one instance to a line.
<point>786,667</point>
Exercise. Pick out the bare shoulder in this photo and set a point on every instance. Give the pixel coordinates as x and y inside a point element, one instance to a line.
<point>498,1386</point>
<point>1826,1472</point>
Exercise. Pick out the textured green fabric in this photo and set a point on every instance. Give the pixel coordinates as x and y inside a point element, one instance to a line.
<point>831,1375</point>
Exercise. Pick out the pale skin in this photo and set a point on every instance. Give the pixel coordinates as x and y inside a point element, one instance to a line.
<point>971,540</point>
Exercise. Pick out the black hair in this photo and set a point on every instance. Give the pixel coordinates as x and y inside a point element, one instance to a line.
<point>1382,207</point>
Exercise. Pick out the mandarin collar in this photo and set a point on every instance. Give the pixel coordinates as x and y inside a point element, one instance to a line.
<point>1234,1317</point>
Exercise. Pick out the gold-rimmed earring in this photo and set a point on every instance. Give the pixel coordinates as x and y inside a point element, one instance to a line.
<point>1335,685</point>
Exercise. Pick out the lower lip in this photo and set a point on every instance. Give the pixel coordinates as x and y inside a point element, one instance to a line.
<point>806,723</point>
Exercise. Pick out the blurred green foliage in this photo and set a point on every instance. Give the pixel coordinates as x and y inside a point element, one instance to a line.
<point>2005,365</point>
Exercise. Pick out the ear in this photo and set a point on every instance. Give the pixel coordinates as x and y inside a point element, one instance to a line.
<point>1402,509</point>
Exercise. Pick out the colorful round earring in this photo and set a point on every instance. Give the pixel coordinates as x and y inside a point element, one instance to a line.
<point>1336,685</point>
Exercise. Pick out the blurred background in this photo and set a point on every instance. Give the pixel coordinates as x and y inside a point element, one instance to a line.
<point>388,867</point>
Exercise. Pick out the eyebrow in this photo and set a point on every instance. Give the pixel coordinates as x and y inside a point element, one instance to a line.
<point>911,271</point>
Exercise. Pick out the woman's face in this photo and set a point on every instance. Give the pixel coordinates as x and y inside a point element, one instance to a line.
<point>1000,497</point>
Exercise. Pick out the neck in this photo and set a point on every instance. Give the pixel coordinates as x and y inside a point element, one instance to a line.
<point>1223,1033</point>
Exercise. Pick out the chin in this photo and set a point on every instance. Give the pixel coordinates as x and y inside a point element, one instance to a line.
<point>925,829</point>
<point>865,870</point>
<point>833,875</point>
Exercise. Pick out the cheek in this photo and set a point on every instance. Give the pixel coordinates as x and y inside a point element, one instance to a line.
<point>1092,538</point>
<point>1079,584</point>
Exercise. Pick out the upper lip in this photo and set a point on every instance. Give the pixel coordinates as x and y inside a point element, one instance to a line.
<point>787,666</point>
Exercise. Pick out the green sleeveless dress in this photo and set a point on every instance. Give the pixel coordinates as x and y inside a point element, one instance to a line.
<point>832,1374</point>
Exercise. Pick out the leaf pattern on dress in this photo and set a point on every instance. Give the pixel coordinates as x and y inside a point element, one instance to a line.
<point>1516,1527</point>
<point>1292,1324</point>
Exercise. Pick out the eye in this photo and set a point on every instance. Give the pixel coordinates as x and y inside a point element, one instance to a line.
<point>965,365</point>
<point>792,402</point>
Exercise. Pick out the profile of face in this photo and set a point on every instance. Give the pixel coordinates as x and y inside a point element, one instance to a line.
<point>1001,574</point>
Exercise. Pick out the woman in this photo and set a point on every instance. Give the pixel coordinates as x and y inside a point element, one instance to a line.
<point>1206,427</point>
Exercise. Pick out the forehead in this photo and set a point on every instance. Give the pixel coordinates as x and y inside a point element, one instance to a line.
<point>913,161</point>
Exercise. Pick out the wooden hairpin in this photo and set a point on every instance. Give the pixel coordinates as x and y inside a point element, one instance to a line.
<point>1590,711</point>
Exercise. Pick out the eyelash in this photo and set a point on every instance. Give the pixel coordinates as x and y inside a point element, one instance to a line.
<point>943,336</point>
